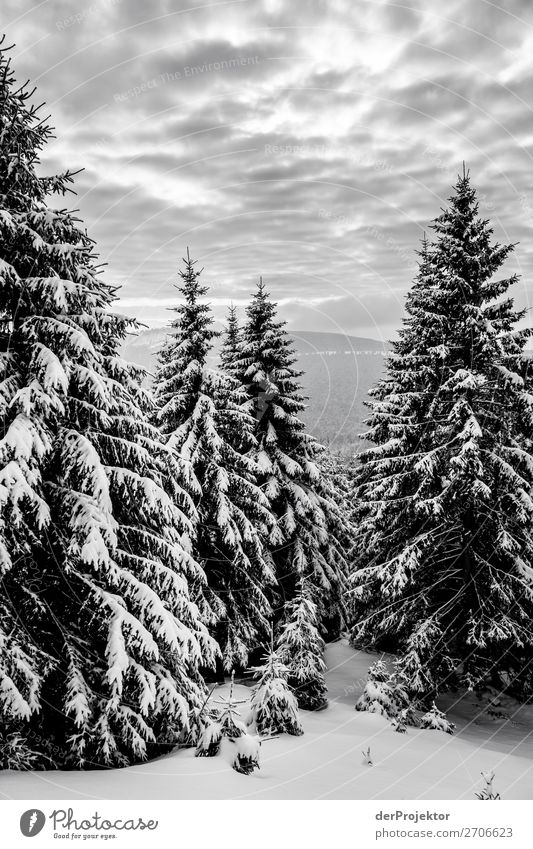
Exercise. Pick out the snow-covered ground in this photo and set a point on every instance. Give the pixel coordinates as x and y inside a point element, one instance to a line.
<point>327,762</point>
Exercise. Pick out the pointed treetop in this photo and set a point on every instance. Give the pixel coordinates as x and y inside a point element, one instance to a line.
<point>231,318</point>
<point>261,290</point>
<point>189,286</point>
<point>423,251</point>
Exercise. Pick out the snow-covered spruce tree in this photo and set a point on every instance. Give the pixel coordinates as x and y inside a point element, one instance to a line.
<point>304,541</point>
<point>242,438</point>
<point>100,642</point>
<point>385,693</point>
<point>223,721</point>
<point>246,752</point>
<point>230,342</point>
<point>378,695</point>
<point>436,720</point>
<point>201,420</point>
<point>301,649</point>
<point>274,708</point>
<point>445,570</point>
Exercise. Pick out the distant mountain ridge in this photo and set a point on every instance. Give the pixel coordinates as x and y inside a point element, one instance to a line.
<point>338,372</point>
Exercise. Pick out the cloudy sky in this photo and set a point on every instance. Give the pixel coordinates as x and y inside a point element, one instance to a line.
<point>310,142</point>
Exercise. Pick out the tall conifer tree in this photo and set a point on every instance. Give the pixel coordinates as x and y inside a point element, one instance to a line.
<point>200,417</point>
<point>304,542</point>
<point>446,549</point>
<point>100,642</point>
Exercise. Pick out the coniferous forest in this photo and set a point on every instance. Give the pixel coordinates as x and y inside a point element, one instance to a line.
<point>174,545</point>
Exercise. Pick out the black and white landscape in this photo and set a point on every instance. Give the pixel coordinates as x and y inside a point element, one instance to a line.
<point>266,448</point>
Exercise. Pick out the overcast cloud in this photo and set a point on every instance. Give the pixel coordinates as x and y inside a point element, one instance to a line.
<point>310,142</point>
